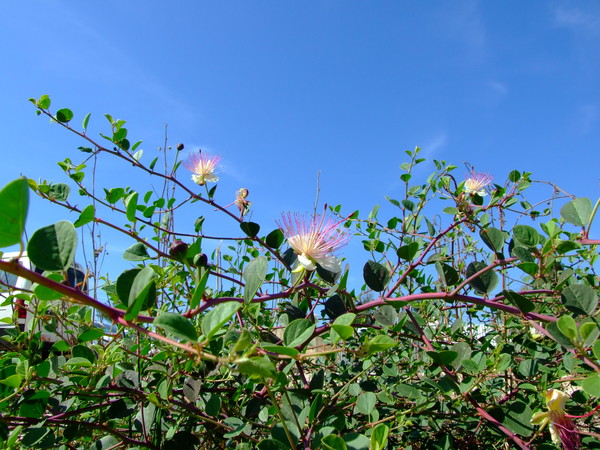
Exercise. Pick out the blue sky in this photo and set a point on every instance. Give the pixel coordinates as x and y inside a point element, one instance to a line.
<point>284,90</point>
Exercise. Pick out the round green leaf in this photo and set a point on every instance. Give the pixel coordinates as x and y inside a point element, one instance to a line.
<point>137,252</point>
<point>298,332</point>
<point>141,289</point>
<point>493,238</point>
<point>217,317</point>
<point>64,115</point>
<point>177,325</point>
<point>365,403</point>
<point>124,284</point>
<point>580,299</point>
<point>577,211</point>
<point>52,248</point>
<point>250,228</point>
<point>484,283</point>
<point>525,235</point>
<point>376,276</point>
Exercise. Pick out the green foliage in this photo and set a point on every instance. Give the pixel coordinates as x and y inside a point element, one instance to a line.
<point>465,320</point>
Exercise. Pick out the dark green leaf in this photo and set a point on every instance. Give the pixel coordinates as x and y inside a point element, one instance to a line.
<point>525,235</point>
<point>250,228</point>
<point>521,302</point>
<point>378,344</point>
<point>444,357</point>
<point>141,289</point>
<point>577,211</point>
<point>14,199</point>
<point>217,317</point>
<point>298,332</point>
<point>258,366</point>
<point>376,276</point>
<point>177,325</point>
<point>523,254</point>
<point>333,442</point>
<point>254,276</point>
<point>408,251</point>
<point>448,275</point>
<point>137,252</point>
<point>86,216</point>
<point>59,191</point>
<point>484,283</point>
<point>580,299</point>
<point>52,248</point>
<point>274,239</point>
<point>64,115</point>
<point>123,289</point>
<point>493,238</point>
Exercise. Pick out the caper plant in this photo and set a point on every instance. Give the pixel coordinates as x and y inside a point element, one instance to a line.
<point>474,323</point>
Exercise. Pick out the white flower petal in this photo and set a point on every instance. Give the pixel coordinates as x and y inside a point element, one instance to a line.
<point>306,262</point>
<point>330,263</point>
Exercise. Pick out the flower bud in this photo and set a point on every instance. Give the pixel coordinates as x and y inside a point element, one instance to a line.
<point>180,147</point>
<point>201,260</point>
<point>178,250</point>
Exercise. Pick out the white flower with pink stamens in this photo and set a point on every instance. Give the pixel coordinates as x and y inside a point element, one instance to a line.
<point>314,239</point>
<point>477,182</point>
<point>203,166</point>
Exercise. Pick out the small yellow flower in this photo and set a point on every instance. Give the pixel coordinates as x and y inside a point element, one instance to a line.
<point>562,429</point>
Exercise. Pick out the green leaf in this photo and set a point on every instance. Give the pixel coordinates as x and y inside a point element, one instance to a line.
<point>515,416</point>
<point>333,442</point>
<point>342,325</point>
<point>589,331</point>
<point>493,238</point>
<point>274,239</point>
<point>523,303</point>
<point>448,275</point>
<point>591,385</point>
<point>125,283</point>
<point>131,203</point>
<point>376,276</point>
<point>567,326</point>
<point>450,210</point>
<point>59,191</point>
<point>365,402</point>
<point>280,350</point>
<point>298,332</point>
<point>202,276</point>
<point>445,357</point>
<point>93,334</point>
<point>578,211</point>
<point>514,176</point>
<point>378,344</point>
<point>52,248</point>
<point>386,315</point>
<point>408,251</point>
<point>64,115</point>
<point>177,325</point>
<point>43,102</point>
<point>379,437</point>
<point>137,252</point>
<point>596,349</point>
<point>45,293</point>
<point>271,444</point>
<point>141,289</point>
<point>217,317</point>
<point>85,122</point>
<point>523,254</point>
<point>526,236</point>
<point>37,437</point>
<point>250,228</point>
<point>86,216</point>
<point>580,299</point>
<point>254,276</point>
<point>257,366</point>
<point>552,329</point>
<point>14,199</point>
<point>484,283</point>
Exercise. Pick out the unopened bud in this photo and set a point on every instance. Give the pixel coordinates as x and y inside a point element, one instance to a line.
<point>201,260</point>
<point>180,147</point>
<point>178,250</point>
<point>242,193</point>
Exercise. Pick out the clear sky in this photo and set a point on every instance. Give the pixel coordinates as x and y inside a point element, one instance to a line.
<point>285,89</point>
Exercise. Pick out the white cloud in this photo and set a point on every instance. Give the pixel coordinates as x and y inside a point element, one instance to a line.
<point>577,19</point>
<point>498,87</point>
